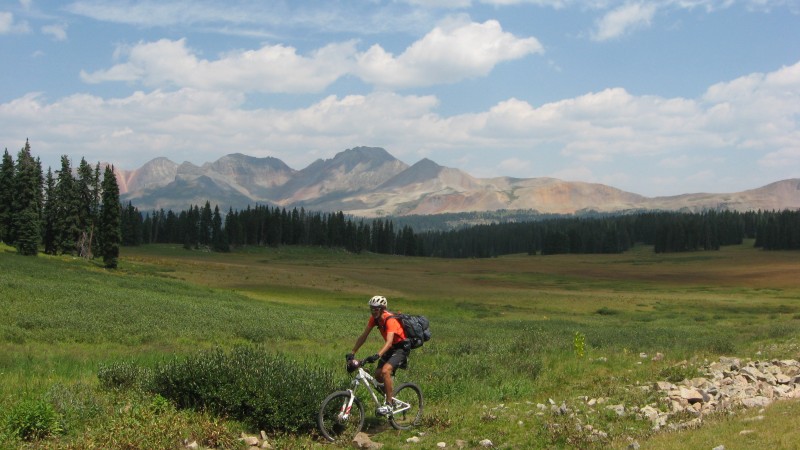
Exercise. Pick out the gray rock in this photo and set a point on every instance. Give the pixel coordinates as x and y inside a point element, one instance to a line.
<point>362,440</point>
<point>619,409</point>
<point>252,441</point>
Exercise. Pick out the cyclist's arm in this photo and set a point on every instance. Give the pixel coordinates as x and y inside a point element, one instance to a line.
<point>361,339</point>
<point>388,344</point>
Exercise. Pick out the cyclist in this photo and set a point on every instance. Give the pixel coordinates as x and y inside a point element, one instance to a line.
<point>394,352</point>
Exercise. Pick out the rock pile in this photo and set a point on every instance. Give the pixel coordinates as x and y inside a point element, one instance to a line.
<point>728,384</point>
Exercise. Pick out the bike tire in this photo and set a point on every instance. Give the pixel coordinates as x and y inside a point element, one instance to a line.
<point>409,393</point>
<point>329,423</point>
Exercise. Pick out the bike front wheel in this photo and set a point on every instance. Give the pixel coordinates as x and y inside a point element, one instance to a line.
<point>336,421</point>
<point>408,412</point>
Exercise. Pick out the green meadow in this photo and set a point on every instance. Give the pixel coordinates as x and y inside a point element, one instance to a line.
<point>509,333</point>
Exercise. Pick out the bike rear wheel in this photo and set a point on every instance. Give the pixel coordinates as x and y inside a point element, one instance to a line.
<point>411,412</point>
<point>335,422</point>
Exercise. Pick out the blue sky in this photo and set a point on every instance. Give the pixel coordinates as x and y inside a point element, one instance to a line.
<point>653,97</point>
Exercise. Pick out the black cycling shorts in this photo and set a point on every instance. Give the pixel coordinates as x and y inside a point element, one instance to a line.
<point>395,357</point>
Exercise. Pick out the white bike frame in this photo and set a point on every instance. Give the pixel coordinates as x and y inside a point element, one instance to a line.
<point>372,385</point>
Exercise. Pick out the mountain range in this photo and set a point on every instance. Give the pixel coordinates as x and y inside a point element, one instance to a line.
<point>370,182</point>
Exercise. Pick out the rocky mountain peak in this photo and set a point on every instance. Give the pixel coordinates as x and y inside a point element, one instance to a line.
<point>368,181</point>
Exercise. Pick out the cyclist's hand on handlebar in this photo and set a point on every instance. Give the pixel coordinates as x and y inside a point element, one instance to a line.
<point>372,359</point>
<point>350,356</point>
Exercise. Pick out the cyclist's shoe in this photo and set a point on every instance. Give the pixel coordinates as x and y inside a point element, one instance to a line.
<point>384,410</point>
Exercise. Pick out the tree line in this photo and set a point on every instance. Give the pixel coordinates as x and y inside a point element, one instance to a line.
<point>262,225</point>
<point>666,231</point>
<point>61,212</point>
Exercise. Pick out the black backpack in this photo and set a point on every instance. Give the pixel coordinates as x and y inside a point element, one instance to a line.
<point>416,328</point>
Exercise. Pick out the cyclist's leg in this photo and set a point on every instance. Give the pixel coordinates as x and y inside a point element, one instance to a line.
<point>386,370</point>
<point>397,358</point>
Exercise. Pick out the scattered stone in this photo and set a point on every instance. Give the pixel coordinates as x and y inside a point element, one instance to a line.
<point>441,444</point>
<point>252,441</point>
<point>192,445</point>
<point>619,409</point>
<point>692,396</point>
<point>362,440</point>
<point>633,446</point>
<point>746,432</point>
<point>664,386</point>
<point>486,443</point>
<point>719,447</point>
<point>413,440</point>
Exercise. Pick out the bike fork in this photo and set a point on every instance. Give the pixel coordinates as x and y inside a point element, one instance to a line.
<point>344,414</point>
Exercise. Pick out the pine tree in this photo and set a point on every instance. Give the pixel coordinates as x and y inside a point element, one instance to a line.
<point>66,210</point>
<point>219,240</point>
<point>85,197</point>
<point>27,203</point>
<point>49,217</point>
<point>205,224</point>
<point>110,235</point>
<point>6,196</point>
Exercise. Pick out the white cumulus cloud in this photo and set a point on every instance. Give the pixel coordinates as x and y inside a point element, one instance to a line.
<point>58,32</point>
<point>449,53</point>
<point>623,20</point>
<point>271,68</point>
<point>9,25</point>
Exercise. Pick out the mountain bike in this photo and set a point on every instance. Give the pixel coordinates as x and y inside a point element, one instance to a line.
<point>341,415</point>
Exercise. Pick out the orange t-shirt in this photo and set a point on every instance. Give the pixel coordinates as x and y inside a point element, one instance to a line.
<point>390,325</point>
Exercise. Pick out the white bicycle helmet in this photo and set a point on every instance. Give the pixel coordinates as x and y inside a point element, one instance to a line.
<point>378,301</point>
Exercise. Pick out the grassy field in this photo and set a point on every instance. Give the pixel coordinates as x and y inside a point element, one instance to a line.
<point>504,335</point>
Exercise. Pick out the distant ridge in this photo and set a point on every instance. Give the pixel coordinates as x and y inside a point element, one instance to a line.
<point>370,182</point>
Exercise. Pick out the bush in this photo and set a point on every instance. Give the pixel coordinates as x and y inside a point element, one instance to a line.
<point>123,375</point>
<point>32,419</point>
<point>143,422</point>
<point>76,404</point>
<point>263,390</point>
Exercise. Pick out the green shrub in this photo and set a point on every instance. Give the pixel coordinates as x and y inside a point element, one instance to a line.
<point>32,419</point>
<point>141,422</point>
<point>76,404</point>
<point>263,390</point>
<point>123,375</point>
